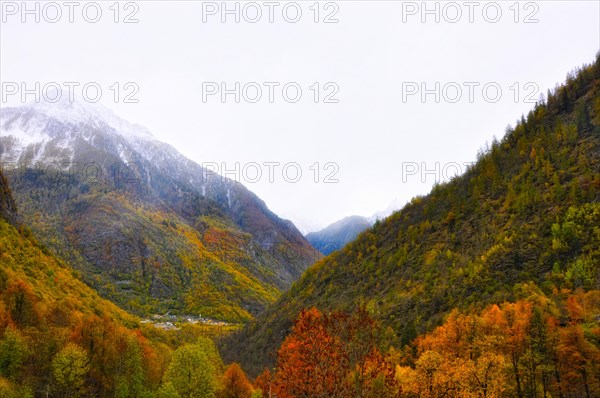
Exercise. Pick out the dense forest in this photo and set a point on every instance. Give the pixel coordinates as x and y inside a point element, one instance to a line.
<point>539,346</point>
<point>525,213</point>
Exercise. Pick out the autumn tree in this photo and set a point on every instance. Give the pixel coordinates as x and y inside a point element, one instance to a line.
<point>194,370</point>
<point>98,336</point>
<point>576,350</point>
<point>235,383</point>
<point>517,317</point>
<point>13,353</point>
<point>130,372</point>
<point>22,303</point>
<point>264,383</point>
<point>333,355</point>
<point>69,368</point>
<point>311,360</point>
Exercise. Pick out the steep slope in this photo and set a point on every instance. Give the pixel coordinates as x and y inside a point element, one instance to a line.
<point>147,227</point>
<point>50,319</point>
<point>527,211</point>
<point>23,259</point>
<point>8,209</point>
<point>338,234</point>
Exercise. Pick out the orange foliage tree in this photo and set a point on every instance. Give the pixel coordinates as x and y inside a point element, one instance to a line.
<point>235,383</point>
<point>332,355</point>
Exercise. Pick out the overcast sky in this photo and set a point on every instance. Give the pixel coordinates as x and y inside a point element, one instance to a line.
<point>370,129</point>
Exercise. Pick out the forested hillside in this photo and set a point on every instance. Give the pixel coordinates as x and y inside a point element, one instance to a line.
<point>526,213</point>
<point>146,227</point>
<point>47,313</point>
<point>59,338</point>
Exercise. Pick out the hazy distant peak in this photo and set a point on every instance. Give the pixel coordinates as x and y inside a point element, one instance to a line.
<point>396,205</point>
<point>338,234</point>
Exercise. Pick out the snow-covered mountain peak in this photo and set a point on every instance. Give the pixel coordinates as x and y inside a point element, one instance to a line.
<point>50,130</point>
<point>79,111</point>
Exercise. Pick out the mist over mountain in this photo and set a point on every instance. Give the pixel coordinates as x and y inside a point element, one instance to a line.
<point>147,227</point>
<point>337,235</point>
<point>394,206</point>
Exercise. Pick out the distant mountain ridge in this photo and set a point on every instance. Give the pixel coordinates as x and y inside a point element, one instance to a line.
<point>149,228</point>
<point>338,234</point>
<point>335,236</point>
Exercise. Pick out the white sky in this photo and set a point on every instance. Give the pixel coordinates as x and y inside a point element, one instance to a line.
<point>368,54</point>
